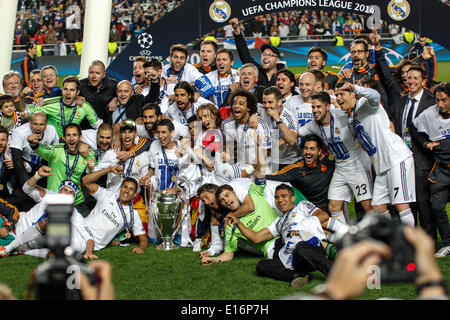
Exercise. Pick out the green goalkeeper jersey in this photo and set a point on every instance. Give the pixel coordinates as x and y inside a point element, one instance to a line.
<point>52,108</point>
<point>260,218</point>
<point>55,155</point>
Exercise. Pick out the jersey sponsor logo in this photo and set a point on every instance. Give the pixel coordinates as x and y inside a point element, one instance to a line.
<point>220,11</point>
<point>398,9</point>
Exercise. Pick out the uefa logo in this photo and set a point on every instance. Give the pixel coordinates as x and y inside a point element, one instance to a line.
<point>220,11</point>
<point>145,40</point>
<point>398,9</point>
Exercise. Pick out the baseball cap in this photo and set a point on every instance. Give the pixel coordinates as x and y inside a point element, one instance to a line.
<point>127,124</point>
<point>272,48</point>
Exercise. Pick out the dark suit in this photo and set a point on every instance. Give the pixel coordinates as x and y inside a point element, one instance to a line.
<point>423,160</point>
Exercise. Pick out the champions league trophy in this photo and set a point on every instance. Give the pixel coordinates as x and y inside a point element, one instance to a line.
<point>165,208</point>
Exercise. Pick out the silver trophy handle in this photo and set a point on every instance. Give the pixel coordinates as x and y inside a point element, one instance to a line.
<point>185,197</point>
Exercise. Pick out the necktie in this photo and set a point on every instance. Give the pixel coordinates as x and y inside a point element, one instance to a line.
<point>410,113</point>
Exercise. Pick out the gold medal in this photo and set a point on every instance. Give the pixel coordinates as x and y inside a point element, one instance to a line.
<point>174,179</point>
<point>128,235</point>
<point>331,157</point>
<point>1,187</point>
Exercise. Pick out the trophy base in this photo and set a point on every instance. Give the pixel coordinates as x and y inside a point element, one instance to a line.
<point>166,246</point>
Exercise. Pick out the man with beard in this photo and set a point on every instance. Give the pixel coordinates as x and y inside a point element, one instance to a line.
<point>153,71</point>
<point>239,136</point>
<point>279,120</point>
<point>97,89</point>
<point>390,156</point>
<point>135,166</point>
<point>65,160</point>
<point>270,57</point>
<point>185,105</point>
<point>62,111</point>
<point>151,115</point>
<point>352,175</point>
<point>25,161</point>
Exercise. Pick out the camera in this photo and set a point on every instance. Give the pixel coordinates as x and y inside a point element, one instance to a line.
<point>56,279</point>
<point>400,267</point>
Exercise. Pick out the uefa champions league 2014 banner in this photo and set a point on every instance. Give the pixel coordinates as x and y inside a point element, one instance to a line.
<point>196,18</point>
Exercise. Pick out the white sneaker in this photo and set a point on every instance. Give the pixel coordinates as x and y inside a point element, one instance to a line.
<point>443,252</point>
<point>198,244</point>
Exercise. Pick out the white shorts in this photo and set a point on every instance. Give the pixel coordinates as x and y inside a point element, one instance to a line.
<point>397,185</point>
<point>345,184</point>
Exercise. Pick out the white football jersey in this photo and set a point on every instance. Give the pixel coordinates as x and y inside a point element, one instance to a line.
<point>220,86</point>
<point>370,124</point>
<point>181,131</point>
<point>281,153</point>
<point>135,167</point>
<point>245,137</point>
<point>182,116</point>
<point>306,227</point>
<point>165,169</point>
<point>188,73</point>
<point>340,142</point>
<point>433,124</point>
<point>19,141</point>
<point>106,220</point>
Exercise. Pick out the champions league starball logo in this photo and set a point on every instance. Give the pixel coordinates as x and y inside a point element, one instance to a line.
<point>220,11</point>
<point>145,40</point>
<point>398,9</point>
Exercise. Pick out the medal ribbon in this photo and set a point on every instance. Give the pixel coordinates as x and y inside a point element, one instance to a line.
<point>173,173</point>
<point>127,172</point>
<point>63,116</point>
<point>122,211</point>
<point>219,94</point>
<point>324,136</point>
<point>69,171</point>
<point>243,132</point>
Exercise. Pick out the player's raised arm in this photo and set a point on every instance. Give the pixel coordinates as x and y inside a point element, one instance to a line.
<point>89,180</point>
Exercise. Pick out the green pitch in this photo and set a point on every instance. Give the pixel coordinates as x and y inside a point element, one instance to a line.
<point>179,275</point>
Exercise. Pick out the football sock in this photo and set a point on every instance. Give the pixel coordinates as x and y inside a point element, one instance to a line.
<point>334,225</point>
<point>406,217</point>
<point>339,215</point>
<point>28,235</point>
<point>386,214</point>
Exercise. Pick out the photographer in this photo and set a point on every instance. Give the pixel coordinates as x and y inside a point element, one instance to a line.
<point>352,263</point>
<point>102,290</point>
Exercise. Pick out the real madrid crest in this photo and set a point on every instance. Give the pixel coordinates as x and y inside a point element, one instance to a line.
<point>398,10</point>
<point>220,11</point>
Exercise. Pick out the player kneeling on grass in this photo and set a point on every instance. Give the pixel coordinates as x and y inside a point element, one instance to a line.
<point>300,249</point>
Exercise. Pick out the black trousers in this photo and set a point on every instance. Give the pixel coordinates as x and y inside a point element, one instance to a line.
<point>422,207</point>
<point>439,193</point>
<point>307,259</point>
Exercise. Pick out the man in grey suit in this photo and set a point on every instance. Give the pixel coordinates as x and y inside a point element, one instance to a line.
<point>403,113</point>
